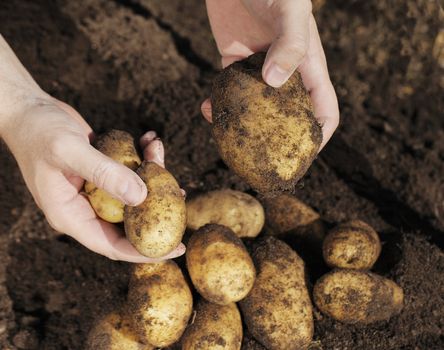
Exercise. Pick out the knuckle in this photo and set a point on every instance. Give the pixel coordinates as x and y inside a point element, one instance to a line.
<point>297,48</point>
<point>102,172</point>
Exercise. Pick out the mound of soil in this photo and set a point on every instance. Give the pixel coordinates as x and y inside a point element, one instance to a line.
<point>143,64</point>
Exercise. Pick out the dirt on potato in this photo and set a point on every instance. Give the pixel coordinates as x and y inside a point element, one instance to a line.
<point>137,65</point>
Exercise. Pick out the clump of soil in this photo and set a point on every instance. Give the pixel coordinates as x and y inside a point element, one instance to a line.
<point>136,65</point>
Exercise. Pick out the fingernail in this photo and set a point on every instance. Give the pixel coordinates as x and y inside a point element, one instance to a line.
<point>132,192</point>
<point>275,76</point>
<point>159,155</point>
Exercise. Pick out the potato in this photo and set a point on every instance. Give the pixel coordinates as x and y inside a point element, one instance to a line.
<point>156,226</point>
<point>118,145</point>
<point>352,245</point>
<point>236,210</point>
<point>353,296</point>
<point>160,303</point>
<point>285,214</point>
<point>219,265</point>
<point>269,137</point>
<point>215,327</point>
<point>278,310</point>
<point>114,333</point>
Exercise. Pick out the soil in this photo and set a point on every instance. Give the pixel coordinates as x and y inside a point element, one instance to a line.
<point>143,64</point>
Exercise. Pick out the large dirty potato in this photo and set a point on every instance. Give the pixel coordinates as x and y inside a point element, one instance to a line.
<point>118,145</point>
<point>160,303</point>
<point>268,136</point>
<point>113,332</point>
<point>352,245</point>
<point>236,210</point>
<point>285,214</point>
<point>215,327</point>
<point>156,226</point>
<point>361,297</point>
<point>278,310</point>
<point>219,265</point>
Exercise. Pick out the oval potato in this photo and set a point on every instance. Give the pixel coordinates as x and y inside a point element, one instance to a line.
<point>113,332</point>
<point>119,146</point>
<point>219,265</point>
<point>268,136</point>
<point>352,296</point>
<point>278,310</point>
<point>352,245</point>
<point>215,327</point>
<point>285,214</point>
<point>160,302</point>
<point>239,211</point>
<point>155,227</point>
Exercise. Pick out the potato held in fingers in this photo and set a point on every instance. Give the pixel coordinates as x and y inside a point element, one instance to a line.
<point>352,296</point>
<point>278,310</point>
<point>219,265</point>
<point>215,327</point>
<point>113,332</point>
<point>268,136</point>
<point>160,303</point>
<point>236,210</point>
<point>119,146</point>
<point>352,245</point>
<point>155,227</point>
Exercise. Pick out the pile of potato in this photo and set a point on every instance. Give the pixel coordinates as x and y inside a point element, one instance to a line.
<point>269,137</point>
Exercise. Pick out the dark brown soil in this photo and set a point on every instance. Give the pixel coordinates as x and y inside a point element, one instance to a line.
<point>145,64</point>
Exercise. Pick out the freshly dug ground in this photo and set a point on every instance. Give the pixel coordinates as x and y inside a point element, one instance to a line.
<point>147,64</point>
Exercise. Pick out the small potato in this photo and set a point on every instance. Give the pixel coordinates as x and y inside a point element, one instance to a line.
<point>114,333</point>
<point>118,145</point>
<point>352,296</point>
<point>352,245</point>
<point>216,327</point>
<point>156,226</point>
<point>278,310</point>
<point>285,214</point>
<point>236,210</point>
<point>219,265</point>
<point>268,136</point>
<point>159,303</point>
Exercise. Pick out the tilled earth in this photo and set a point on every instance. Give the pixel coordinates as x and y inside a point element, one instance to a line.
<point>147,64</point>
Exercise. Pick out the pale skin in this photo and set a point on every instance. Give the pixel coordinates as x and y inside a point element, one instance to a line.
<point>51,141</point>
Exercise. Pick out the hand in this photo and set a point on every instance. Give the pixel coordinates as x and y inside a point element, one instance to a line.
<point>288,30</point>
<point>51,143</point>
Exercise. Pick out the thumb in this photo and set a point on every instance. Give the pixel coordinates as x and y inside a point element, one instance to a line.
<point>288,49</point>
<point>115,178</point>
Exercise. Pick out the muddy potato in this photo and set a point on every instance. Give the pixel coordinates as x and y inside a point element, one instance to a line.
<point>113,332</point>
<point>353,296</point>
<point>118,145</point>
<point>159,303</point>
<point>285,214</point>
<point>215,327</point>
<point>156,226</point>
<point>278,310</point>
<point>268,136</point>
<point>219,265</point>
<point>236,210</point>
<point>352,245</point>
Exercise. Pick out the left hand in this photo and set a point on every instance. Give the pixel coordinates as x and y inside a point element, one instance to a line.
<point>287,29</point>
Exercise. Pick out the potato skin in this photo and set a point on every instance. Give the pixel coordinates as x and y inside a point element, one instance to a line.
<point>160,302</point>
<point>219,265</point>
<point>360,297</point>
<point>216,327</point>
<point>113,332</point>
<point>352,245</point>
<point>156,226</point>
<point>236,210</point>
<point>118,145</point>
<point>278,310</point>
<point>287,215</point>
<point>268,136</point>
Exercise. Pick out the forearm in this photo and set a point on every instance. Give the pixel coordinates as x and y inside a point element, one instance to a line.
<point>18,90</point>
